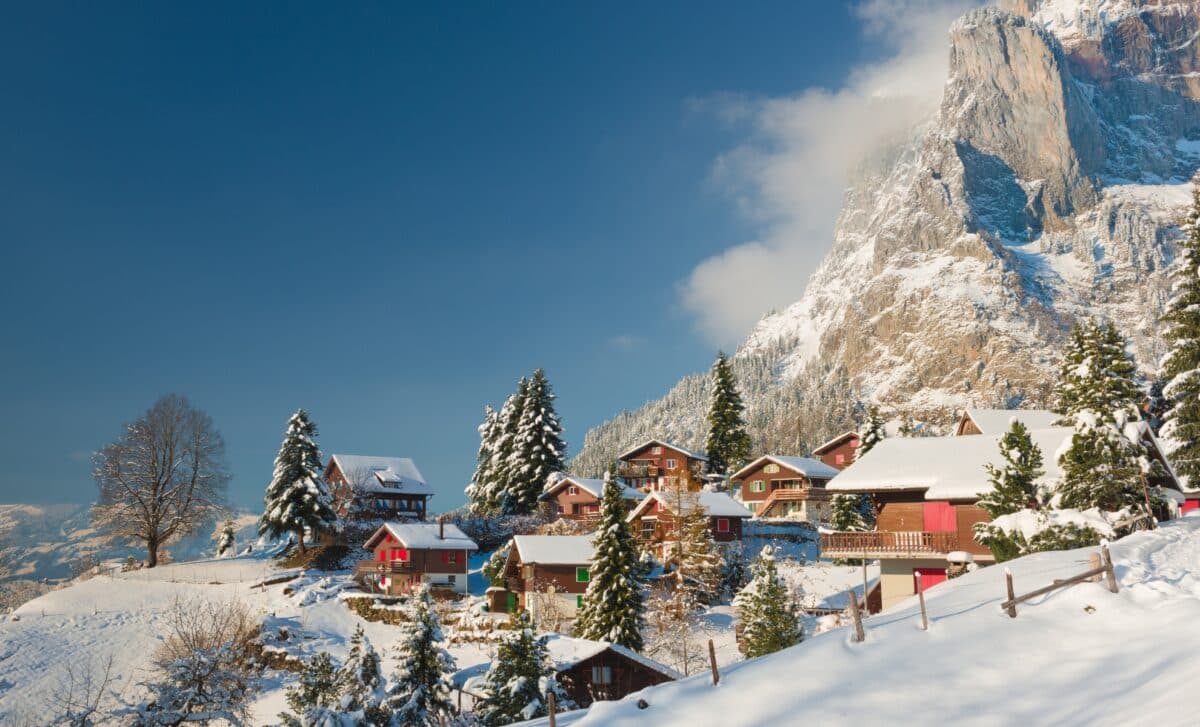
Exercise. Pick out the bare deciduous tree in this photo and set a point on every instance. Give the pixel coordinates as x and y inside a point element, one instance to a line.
<point>164,478</point>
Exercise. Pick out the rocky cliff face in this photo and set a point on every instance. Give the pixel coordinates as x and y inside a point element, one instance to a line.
<point>1048,186</point>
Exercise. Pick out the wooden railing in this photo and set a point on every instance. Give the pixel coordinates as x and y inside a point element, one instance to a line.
<point>890,542</point>
<point>637,470</point>
<point>379,566</point>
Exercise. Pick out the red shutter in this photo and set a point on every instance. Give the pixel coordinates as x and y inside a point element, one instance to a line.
<point>939,517</point>
<point>1189,505</point>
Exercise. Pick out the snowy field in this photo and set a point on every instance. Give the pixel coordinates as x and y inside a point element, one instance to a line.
<point>1079,655</point>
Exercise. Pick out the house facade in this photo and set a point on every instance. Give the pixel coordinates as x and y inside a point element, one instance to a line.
<point>657,518</point>
<point>407,554</point>
<point>925,491</point>
<point>656,464</point>
<point>377,488</point>
<point>839,452</point>
<point>545,575</point>
<point>578,498</point>
<point>592,671</point>
<point>783,486</point>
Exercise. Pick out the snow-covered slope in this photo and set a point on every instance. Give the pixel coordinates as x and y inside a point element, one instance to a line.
<point>1048,186</point>
<point>1080,655</point>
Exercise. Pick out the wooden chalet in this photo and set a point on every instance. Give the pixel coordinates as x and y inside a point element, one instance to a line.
<point>781,486</point>
<point>593,671</point>
<point>839,452</point>
<point>406,554</point>
<point>655,465</point>
<point>925,491</point>
<point>578,498</point>
<point>377,488</point>
<point>998,421</point>
<point>657,518</point>
<point>546,575</point>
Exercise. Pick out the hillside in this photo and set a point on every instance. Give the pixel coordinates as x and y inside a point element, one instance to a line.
<point>1049,184</point>
<point>1080,655</point>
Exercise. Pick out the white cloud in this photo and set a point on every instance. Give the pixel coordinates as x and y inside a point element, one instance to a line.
<point>789,175</point>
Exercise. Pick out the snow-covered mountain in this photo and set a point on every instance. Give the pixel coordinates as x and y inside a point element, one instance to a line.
<point>1049,185</point>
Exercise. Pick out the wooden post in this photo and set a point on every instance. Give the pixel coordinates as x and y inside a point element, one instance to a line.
<point>552,708</point>
<point>1094,562</point>
<point>1149,509</point>
<point>1108,568</point>
<point>921,598</point>
<point>857,616</point>
<point>712,661</point>
<point>1012,594</point>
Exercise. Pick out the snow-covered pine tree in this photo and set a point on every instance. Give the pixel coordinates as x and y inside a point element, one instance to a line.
<point>227,540</point>
<point>1180,368</point>
<point>769,618</point>
<point>361,681</point>
<point>500,473</point>
<point>493,569</point>
<point>728,442</point>
<point>520,677</point>
<point>480,491</point>
<point>872,432</point>
<point>297,500</point>
<point>318,687</point>
<point>697,561</point>
<point>1098,396</point>
<point>420,691</point>
<point>847,515</point>
<point>205,685</point>
<point>614,605</point>
<point>1013,486</point>
<point>537,450</point>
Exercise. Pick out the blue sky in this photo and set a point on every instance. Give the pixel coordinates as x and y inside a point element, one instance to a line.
<point>383,213</point>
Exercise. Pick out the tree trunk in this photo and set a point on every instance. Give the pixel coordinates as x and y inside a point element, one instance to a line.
<point>151,553</point>
<point>300,540</point>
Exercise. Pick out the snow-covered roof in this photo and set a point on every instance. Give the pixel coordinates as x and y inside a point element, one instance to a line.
<point>424,535</point>
<point>591,485</point>
<point>716,504</point>
<point>554,549</point>
<point>806,466</point>
<point>382,474</point>
<point>664,443</point>
<point>950,467</point>
<point>998,421</point>
<point>835,442</point>
<point>567,651</point>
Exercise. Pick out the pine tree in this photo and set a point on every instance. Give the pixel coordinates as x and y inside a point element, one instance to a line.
<point>847,514</point>
<point>420,692</point>
<point>537,450</point>
<point>519,678</point>
<point>1096,394</point>
<point>1013,486</point>
<point>697,561</point>
<point>1180,368</point>
<point>872,432</point>
<point>360,681</point>
<point>227,540</point>
<point>297,500</point>
<point>480,491</point>
<point>728,443</point>
<point>614,605</point>
<point>318,687</point>
<point>769,618</point>
<point>502,476</point>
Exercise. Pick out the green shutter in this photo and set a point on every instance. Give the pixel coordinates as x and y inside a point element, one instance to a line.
<point>582,575</point>
<point>579,602</point>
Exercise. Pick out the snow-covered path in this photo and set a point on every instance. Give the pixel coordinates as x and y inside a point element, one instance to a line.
<point>1080,655</point>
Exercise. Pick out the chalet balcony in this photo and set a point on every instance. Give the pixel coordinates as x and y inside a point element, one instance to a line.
<point>362,567</point>
<point>888,544</point>
<point>636,471</point>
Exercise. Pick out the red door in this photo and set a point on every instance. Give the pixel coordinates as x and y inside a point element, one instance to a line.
<point>939,517</point>
<point>929,577</point>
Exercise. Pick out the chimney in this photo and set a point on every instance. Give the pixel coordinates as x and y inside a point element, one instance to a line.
<point>442,528</point>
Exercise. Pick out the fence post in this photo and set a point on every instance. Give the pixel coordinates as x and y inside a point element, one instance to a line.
<point>921,598</point>
<point>552,707</point>
<point>1095,562</point>
<point>712,662</point>
<point>857,616</point>
<point>1012,594</point>
<point>1108,568</point>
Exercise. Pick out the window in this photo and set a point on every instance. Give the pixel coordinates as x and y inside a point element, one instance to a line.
<point>647,529</point>
<point>572,490</point>
<point>560,509</point>
<point>671,464</point>
<point>601,675</point>
<point>450,556</point>
<point>451,579</point>
<point>398,554</point>
<point>771,468</point>
<point>657,449</point>
<point>854,443</point>
<point>840,459</point>
<point>758,486</point>
<point>722,525</point>
<point>582,575</point>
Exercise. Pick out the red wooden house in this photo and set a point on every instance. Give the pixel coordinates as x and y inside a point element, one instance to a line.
<point>578,498</point>
<point>657,518</point>
<point>839,452</point>
<point>781,486</point>
<point>377,488</point>
<point>406,554</point>
<point>651,464</point>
